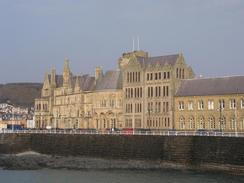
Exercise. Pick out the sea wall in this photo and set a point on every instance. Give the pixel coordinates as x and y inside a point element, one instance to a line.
<point>174,149</point>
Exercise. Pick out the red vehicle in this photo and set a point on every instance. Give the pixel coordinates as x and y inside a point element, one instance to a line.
<point>127,131</point>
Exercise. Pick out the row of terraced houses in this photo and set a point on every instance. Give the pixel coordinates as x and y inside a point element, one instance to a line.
<point>156,93</point>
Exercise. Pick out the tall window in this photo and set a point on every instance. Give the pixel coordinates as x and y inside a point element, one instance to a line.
<point>192,123</point>
<point>222,122</point>
<point>232,103</point>
<point>181,105</point>
<point>221,103</point>
<point>210,105</point>
<point>242,124</point>
<point>200,105</point>
<point>190,105</point>
<point>242,103</point>
<point>212,124</point>
<point>182,123</point>
<point>201,123</point>
<point>232,123</point>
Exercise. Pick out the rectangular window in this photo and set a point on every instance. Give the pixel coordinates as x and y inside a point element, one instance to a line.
<point>200,105</point>
<point>232,103</point>
<point>156,76</point>
<point>159,75</point>
<point>210,105</point>
<point>181,105</point>
<point>190,105</point>
<point>242,103</point>
<point>221,104</point>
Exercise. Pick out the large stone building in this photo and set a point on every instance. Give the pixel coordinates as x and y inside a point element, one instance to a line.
<point>137,95</point>
<point>69,101</point>
<point>211,103</point>
<point>149,84</point>
<point>157,93</point>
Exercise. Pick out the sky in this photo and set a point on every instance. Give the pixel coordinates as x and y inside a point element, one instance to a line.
<point>38,35</point>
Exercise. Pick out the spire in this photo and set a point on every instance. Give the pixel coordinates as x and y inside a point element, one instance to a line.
<point>77,84</point>
<point>53,77</point>
<point>46,83</point>
<point>66,74</point>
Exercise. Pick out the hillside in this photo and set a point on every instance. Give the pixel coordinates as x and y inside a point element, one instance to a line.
<point>20,94</point>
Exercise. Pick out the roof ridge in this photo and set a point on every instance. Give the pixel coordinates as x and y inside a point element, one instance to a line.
<point>216,77</point>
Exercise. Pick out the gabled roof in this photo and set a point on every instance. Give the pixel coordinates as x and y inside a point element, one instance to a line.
<point>87,83</point>
<point>111,80</point>
<point>212,86</point>
<point>161,60</point>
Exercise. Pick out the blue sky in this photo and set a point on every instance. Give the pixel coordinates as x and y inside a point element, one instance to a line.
<point>36,35</point>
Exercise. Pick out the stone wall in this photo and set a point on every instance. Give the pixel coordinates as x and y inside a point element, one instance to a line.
<point>180,149</point>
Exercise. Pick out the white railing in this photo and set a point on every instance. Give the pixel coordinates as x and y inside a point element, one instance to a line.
<point>153,133</point>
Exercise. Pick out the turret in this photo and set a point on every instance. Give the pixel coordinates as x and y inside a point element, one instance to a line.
<point>46,86</point>
<point>98,73</point>
<point>77,85</point>
<point>53,78</point>
<point>66,74</point>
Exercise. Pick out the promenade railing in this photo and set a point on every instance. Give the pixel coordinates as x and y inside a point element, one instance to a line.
<point>152,133</point>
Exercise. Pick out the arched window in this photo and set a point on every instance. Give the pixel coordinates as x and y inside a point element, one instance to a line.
<point>222,122</point>
<point>191,123</point>
<point>201,123</point>
<point>232,123</point>
<point>182,123</point>
<point>211,121</point>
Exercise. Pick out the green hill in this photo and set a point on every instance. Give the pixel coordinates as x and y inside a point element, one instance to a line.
<point>20,94</point>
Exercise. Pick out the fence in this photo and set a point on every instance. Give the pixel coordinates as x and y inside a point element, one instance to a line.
<point>159,133</point>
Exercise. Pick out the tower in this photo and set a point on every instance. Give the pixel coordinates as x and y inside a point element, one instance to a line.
<point>98,73</point>
<point>53,78</point>
<point>66,74</point>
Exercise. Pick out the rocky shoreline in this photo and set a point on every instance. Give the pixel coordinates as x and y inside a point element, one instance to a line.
<point>34,161</point>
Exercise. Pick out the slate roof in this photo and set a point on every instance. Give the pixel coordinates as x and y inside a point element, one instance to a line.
<point>162,60</point>
<point>212,86</point>
<point>110,80</point>
<point>86,82</point>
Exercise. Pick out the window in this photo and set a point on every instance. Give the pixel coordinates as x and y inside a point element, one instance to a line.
<point>222,123</point>
<point>192,123</point>
<point>182,123</point>
<point>168,75</point>
<point>190,105</point>
<point>221,104</point>
<point>181,105</point>
<point>159,75</point>
<point>242,124</point>
<point>156,76</point>
<point>210,105</point>
<point>201,123</point>
<point>233,124</point>
<point>232,103</point>
<point>212,124</point>
<point>242,103</point>
<point>200,105</point>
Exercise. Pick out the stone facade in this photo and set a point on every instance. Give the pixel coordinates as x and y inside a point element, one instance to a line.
<point>210,104</point>
<point>69,101</point>
<point>156,93</point>
<point>149,85</point>
<point>138,95</point>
